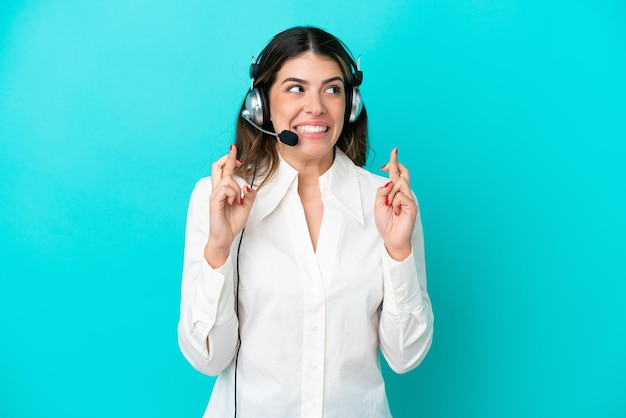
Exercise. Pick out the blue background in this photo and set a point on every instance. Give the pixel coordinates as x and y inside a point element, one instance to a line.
<point>510,115</point>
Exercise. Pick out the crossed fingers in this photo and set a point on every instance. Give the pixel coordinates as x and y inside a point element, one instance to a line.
<point>399,180</point>
<point>222,177</point>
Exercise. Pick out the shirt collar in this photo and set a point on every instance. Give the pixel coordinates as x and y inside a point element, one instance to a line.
<point>340,183</point>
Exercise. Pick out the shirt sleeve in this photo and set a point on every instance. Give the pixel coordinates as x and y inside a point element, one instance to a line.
<point>406,323</point>
<point>207,308</point>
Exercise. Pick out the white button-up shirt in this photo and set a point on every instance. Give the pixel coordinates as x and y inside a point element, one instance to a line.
<point>311,322</point>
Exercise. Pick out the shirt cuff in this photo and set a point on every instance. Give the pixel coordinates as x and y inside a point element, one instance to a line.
<point>214,298</point>
<point>402,292</point>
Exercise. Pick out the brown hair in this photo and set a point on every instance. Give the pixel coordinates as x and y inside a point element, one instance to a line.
<point>284,46</point>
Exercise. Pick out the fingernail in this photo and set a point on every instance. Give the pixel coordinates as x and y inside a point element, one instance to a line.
<point>396,150</point>
<point>231,147</point>
<point>239,161</point>
<point>383,167</point>
<point>389,183</point>
<point>387,202</point>
<point>247,189</point>
<point>241,200</point>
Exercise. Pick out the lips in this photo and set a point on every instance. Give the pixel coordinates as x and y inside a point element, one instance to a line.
<point>311,129</point>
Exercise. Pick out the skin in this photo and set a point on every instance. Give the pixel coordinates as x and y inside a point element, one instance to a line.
<point>308,90</point>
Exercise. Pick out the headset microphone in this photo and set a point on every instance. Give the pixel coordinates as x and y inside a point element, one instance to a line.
<point>286,137</point>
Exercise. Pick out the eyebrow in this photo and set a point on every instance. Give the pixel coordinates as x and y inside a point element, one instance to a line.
<point>301,81</point>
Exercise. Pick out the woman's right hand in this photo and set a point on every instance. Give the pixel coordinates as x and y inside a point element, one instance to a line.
<point>228,209</point>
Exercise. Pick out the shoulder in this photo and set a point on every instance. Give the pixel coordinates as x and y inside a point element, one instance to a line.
<point>369,180</point>
<point>202,187</point>
<point>201,192</point>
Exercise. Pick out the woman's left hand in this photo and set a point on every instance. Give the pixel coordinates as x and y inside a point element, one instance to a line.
<point>396,209</point>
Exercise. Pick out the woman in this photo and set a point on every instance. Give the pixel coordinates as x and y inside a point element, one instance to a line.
<point>291,313</point>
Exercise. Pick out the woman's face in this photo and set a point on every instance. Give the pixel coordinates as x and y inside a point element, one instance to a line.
<point>308,98</point>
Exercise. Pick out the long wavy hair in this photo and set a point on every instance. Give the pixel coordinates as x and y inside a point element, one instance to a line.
<point>289,44</point>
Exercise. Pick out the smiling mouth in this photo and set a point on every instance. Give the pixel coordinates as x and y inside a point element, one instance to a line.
<point>310,129</point>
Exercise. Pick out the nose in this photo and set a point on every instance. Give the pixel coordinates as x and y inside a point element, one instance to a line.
<point>315,105</point>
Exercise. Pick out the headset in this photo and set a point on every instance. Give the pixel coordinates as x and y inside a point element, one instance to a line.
<point>257,110</point>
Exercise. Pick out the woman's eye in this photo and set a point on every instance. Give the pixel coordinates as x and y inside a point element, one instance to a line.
<point>295,89</point>
<point>333,90</point>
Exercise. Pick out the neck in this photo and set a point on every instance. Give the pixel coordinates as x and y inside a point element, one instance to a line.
<point>308,167</point>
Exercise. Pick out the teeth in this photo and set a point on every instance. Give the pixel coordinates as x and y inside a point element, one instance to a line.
<point>309,129</point>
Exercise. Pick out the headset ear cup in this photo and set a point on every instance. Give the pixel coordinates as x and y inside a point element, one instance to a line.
<point>256,107</point>
<point>265,108</point>
<point>355,105</point>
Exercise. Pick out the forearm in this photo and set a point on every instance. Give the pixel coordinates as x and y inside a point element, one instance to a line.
<point>405,338</point>
<point>406,321</point>
<point>194,340</point>
<point>207,330</point>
